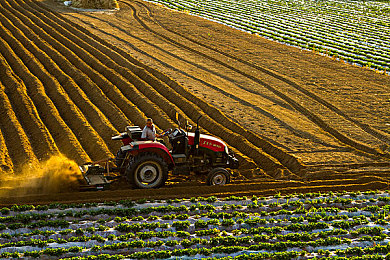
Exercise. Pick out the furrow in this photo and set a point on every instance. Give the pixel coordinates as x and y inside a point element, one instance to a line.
<point>367,128</point>
<point>63,136</point>
<point>127,111</point>
<point>40,138</point>
<point>167,105</point>
<point>172,95</point>
<point>98,121</point>
<point>16,140</point>
<point>313,117</point>
<point>55,51</point>
<point>183,96</point>
<point>288,160</point>
<point>178,95</point>
<point>89,54</point>
<point>86,135</point>
<point>263,115</point>
<point>265,161</point>
<point>114,61</point>
<point>6,165</point>
<point>210,124</point>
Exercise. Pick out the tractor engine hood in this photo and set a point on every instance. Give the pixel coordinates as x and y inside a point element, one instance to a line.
<point>209,142</point>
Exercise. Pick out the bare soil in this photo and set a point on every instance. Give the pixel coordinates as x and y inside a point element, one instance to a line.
<point>297,120</point>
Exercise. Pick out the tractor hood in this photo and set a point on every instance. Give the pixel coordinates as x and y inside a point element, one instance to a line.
<point>209,142</point>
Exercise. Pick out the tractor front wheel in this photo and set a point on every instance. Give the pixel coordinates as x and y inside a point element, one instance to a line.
<point>147,171</point>
<point>218,176</point>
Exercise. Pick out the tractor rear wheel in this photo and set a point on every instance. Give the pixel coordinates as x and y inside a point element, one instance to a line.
<point>147,171</point>
<point>218,176</point>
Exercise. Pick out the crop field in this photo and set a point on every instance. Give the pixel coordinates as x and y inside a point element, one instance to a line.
<point>70,79</point>
<point>334,225</point>
<point>355,31</point>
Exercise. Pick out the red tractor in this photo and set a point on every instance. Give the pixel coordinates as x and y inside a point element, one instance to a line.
<point>146,164</point>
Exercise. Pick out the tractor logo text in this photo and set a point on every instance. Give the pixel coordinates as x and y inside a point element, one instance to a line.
<point>208,143</point>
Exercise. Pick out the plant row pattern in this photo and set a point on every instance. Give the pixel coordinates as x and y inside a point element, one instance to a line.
<point>313,225</point>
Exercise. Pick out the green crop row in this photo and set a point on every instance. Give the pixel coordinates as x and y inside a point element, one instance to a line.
<point>212,199</point>
<point>241,236</point>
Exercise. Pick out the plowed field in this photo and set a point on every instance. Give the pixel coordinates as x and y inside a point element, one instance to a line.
<point>71,79</point>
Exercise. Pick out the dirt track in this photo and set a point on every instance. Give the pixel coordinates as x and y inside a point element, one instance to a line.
<point>71,79</point>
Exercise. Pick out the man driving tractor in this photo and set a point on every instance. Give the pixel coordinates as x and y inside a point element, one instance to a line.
<point>149,131</point>
<point>146,164</point>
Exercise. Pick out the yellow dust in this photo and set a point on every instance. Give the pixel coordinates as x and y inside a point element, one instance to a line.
<point>57,174</point>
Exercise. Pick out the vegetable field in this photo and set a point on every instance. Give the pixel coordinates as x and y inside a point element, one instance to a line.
<point>297,226</point>
<point>355,31</point>
<point>296,120</point>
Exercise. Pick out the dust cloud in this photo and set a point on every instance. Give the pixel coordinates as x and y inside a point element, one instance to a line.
<point>57,174</point>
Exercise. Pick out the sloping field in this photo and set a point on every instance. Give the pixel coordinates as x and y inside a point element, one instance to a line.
<point>70,80</point>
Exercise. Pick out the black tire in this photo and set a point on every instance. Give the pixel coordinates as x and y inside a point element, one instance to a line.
<point>147,171</point>
<point>218,176</point>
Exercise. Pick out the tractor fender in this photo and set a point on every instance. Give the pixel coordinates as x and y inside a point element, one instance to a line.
<point>136,148</point>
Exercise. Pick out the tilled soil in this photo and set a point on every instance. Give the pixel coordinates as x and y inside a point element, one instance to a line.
<point>70,79</point>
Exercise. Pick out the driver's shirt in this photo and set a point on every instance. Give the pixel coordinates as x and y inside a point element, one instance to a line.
<point>149,133</point>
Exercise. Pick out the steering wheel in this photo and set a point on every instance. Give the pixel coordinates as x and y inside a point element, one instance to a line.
<point>166,132</point>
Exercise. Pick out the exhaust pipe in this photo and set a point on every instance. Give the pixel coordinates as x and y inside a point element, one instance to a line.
<point>197,136</point>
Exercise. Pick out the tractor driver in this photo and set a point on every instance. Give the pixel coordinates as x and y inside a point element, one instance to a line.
<point>149,131</point>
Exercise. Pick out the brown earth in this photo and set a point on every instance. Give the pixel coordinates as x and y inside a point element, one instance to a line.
<point>70,79</point>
